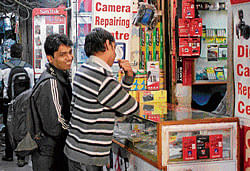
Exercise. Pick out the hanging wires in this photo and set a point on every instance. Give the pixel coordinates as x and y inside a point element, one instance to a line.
<point>22,18</point>
<point>5,5</point>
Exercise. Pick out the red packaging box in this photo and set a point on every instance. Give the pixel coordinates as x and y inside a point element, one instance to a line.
<point>216,146</point>
<point>196,27</point>
<point>190,27</point>
<point>189,47</point>
<point>188,9</point>
<point>189,148</point>
<point>184,27</point>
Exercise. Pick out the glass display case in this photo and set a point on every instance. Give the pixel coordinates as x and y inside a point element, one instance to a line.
<point>180,139</point>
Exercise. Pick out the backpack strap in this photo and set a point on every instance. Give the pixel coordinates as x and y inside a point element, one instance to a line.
<point>10,65</point>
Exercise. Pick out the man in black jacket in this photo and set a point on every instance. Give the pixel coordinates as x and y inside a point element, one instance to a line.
<point>52,105</point>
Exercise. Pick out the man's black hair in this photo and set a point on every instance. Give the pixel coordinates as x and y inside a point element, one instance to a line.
<point>53,42</point>
<point>16,50</point>
<point>95,41</point>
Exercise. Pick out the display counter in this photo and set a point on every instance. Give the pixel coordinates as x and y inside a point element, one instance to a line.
<point>178,139</point>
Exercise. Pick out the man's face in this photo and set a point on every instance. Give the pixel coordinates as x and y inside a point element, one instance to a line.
<point>111,48</point>
<point>62,58</point>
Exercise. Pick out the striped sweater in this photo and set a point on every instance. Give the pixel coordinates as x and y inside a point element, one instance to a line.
<point>97,98</point>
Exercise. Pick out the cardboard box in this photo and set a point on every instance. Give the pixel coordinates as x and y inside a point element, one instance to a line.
<point>152,96</point>
<point>153,108</point>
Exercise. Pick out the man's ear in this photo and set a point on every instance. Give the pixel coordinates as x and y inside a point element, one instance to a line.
<point>107,44</point>
<point>50,58</point>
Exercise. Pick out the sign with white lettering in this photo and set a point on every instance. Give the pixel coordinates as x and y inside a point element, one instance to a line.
<point>115,17</point>
<point>241,20</point>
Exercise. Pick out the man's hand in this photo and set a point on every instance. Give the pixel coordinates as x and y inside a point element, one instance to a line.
<point>126,67</point>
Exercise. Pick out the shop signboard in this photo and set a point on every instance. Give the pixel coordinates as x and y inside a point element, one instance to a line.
<point>45,21</point>
<point>116,17</point>
<point>245,144</point>
<point>241,59</point>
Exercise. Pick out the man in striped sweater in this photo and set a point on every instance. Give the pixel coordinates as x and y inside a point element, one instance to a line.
<point>97,99</point>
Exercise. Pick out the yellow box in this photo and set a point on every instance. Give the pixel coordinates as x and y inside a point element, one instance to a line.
<point>134,94</point>
<point>153,108</point>
<point>152,96</point>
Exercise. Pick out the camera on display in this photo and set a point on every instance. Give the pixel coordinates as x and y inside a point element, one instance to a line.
<point>146,15</point>
<point>242,29</point>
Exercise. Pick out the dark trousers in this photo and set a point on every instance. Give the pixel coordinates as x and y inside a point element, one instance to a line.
<point>76,166</point>
<point>48,162</point>
<point>8,148</point>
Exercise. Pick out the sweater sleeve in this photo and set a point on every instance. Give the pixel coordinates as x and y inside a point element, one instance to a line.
<point>113,95</point>
<point>50,108</point>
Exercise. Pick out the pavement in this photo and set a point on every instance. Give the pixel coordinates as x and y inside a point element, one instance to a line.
<point>10,166</point>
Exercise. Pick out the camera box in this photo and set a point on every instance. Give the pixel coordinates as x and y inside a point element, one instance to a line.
<point>153,75</point>
<point>153,108</point>
<point>152,96</point>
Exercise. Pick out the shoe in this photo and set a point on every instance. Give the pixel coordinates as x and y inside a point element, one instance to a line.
<point>5,158</point>
<point>21,162</point>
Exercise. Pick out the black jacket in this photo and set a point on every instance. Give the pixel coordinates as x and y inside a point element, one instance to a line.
<point>51,105</point>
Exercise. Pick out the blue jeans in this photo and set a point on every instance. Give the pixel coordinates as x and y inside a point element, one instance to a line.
<point>76,166</point>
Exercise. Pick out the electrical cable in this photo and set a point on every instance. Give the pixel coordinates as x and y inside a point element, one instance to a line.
<point>22,18</point>
<point>9,6</point>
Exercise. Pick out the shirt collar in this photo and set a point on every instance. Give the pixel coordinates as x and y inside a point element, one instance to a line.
<point>100,62</point>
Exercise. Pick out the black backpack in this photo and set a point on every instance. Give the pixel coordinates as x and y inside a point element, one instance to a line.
<point>23,128</point>
<point>18,80</point>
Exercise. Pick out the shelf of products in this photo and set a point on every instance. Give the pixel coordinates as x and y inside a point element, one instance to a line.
<point>212,64</point>
<point>180,138</point>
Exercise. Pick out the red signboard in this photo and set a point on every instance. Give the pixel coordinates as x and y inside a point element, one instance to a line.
<point>239,1</point>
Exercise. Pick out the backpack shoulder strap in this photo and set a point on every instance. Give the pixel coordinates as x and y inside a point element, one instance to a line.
<point>21,64</point>
<point>10,65</point>
<point>40,81</point>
